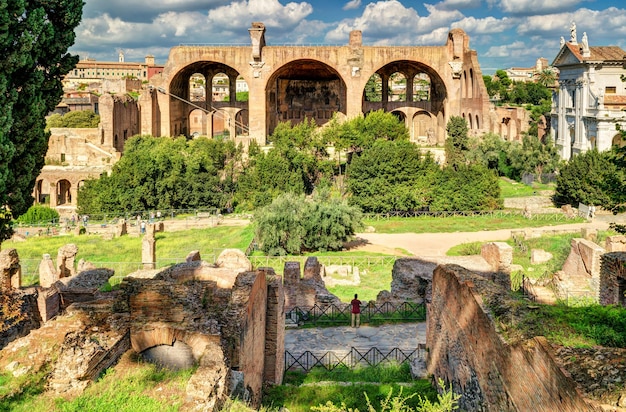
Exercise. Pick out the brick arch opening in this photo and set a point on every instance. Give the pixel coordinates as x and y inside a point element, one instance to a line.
<point>304,89</point>
<point>168,346</point>
<point>183,102</point>
<point>425,90</point>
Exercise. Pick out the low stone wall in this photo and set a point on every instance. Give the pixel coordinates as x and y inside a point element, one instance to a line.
<point>466,351</point>
<point>580,275</point>
<point>308,289</point>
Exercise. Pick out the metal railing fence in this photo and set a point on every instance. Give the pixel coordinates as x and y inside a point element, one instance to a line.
<point>370,313</point>
<point>354,357</point>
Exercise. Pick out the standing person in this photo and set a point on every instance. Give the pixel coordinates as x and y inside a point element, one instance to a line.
<point>356,311</point>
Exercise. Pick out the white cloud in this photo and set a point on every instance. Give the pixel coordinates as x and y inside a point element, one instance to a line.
<point>270,12</point>
<point>390,22</point>
<point>601,24</point>
<point>458,4</point>
<point>517,49</point>
<point>534,7</point>
<point>352,4</point>
<point>485,25</point>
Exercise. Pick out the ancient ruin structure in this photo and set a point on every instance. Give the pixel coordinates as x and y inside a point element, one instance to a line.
<point>308,289</point>
<point>10,270</point>
<point>490,374</point>
<point>613,279</point>
<point>291,83</point>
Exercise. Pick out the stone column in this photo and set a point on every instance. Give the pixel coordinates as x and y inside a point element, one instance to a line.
<point>47,272</point>
<point>148,249</point>
<point>65,260</point>
<point>10,270</point>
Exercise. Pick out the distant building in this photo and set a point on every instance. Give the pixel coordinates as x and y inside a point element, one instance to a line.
<point>591,96</point>
<point>528,74</point>
<point>91,70</point>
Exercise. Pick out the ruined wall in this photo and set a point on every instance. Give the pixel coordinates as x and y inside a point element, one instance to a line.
<point>466,351</point>
<point>581,271</point>
<point>249,305</point>
<point>306,290</point>
<point>613,279</point>
<point>275,329</point>
<point>119,120</point>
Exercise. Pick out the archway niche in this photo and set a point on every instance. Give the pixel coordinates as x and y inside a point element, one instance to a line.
<point>186,96</point>
<point>397,87</point>
<point>421,87</point>
<point>304,89</point>
<point>64,194</point>
<point>178,356</point>
<point>373,89</point>
<point>424,127</point>
<point>618,140</point>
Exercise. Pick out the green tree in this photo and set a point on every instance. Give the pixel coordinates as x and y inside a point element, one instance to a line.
<point>39,214</point>
<point>359,133</point>
<point>457,144</point>
<point>533,156</point>
<point>292,224</point>
<point>465,188</point>
<point>547,78</point>
<point>389,176</point>
<point>164,173</point>
<point>34,41</point>
<point>74,119</point>
<point>584,180</point>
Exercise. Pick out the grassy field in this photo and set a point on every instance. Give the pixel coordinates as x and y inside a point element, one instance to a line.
<point>510,188</point>
<point>123,254</point>
<point>427,224</point>
<point>302,391</point>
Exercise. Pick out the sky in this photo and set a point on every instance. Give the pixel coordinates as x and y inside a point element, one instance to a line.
<point>505,33</point>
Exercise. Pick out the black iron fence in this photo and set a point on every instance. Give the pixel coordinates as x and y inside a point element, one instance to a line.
<point>354,357</point>
<point>370,313</point>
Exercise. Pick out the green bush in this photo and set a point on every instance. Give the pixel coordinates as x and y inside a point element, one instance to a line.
<point>583,180</point>
<point>291,225</point>
<point>39,214</point>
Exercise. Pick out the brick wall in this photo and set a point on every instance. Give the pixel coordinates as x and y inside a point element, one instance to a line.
<point>491,375</point>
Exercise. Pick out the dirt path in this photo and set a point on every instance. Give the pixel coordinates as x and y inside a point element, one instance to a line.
<point>437,244</point>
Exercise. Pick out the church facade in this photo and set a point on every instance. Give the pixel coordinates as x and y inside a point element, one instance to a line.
<point>590,103</point>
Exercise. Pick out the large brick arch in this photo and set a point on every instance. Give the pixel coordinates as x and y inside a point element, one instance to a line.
<point>267,69</point>
<point>304,89</point>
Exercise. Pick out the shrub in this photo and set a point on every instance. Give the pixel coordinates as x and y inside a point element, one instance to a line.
<point>39,214</point>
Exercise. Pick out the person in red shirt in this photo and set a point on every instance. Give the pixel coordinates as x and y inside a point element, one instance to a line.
<point>356,311</point>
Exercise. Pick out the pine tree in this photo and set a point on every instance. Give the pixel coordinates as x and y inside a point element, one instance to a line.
<point>34,39</point>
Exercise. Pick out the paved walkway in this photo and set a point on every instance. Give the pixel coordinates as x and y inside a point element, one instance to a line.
<point>340,339</point>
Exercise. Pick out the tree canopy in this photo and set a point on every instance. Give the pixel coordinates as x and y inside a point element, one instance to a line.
<point>34,41</point>
<point>74,119</point>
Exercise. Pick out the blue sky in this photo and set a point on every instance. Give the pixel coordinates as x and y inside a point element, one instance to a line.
<point>505,33</point>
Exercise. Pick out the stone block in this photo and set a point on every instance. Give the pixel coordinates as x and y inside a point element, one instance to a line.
<point>148,251</point>
<point>499,255</point>
<point>49,303</point>
<point>312,270</point>
<point>193,256</point>
<point>234,259</point>
<point>10,270</point>
<point>589,233</point>
<point>291,273</point>
<point>615,243</point>
<point>539,256</point>
<point>47,272</point>
<point>65,260</point>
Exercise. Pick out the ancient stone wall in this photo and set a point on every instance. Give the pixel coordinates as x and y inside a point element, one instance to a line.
<point>249,304</point>
<point>307,291</point>
<point>466,351</point>
<point>613,279</point>
<point>275,329</point>
<point>581,271</point>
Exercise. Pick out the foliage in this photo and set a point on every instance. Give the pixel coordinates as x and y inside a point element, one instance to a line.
<point>583,180</point>
<point>297,163</point>
<point>164,173</point>
<point>360,133</point>
<point>74,119</point>
<point>533,156</point>
<point>512,159</point>
<point>38,214</point>
<point>291,225</point>
<point>471,187</point>
<point>382,373</point>
<point>457,143</point>
<point>584,326</point>
<point>34,43</point>
<point>391,175</point>
<point>446,402</point>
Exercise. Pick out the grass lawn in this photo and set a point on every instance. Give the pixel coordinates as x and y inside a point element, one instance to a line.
<point>428,224</point>
<point>123,254</point>
<point>511,188</point>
